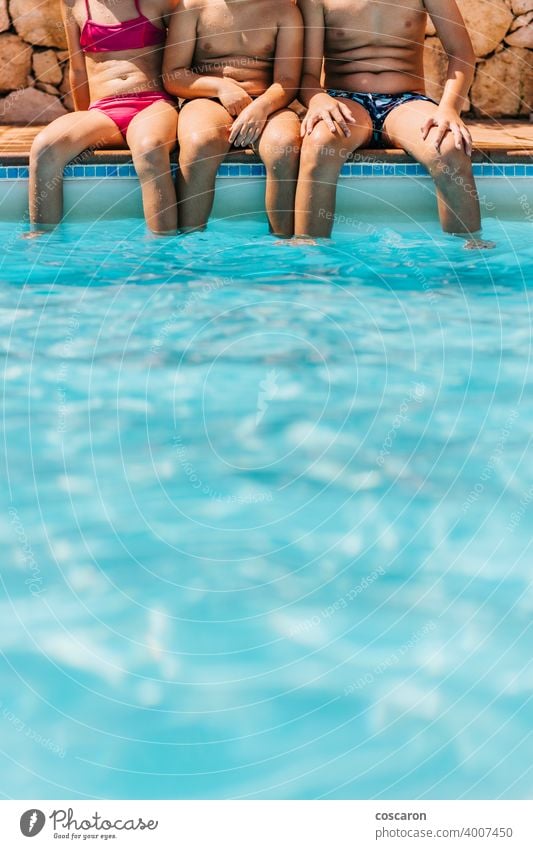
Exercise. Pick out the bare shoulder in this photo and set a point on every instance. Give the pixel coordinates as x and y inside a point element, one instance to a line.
<point>189,5</point>
<point>311,4</point>
<point>439,7</point>
<point>288,12</point>
<point>165,8</point>
<point>311,9</point>
<point>67,11</point>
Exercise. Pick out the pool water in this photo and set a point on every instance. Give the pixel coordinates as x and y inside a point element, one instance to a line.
<point>266,517</point>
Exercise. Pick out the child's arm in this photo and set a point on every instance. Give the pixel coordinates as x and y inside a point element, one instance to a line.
<point>454,36</point>
<point>285,82</point>
<point>321,107</point>
<point>180,80</point>
<point>79,82</point>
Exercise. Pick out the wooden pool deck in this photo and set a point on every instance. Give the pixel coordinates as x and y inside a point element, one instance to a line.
<point>494,141</point>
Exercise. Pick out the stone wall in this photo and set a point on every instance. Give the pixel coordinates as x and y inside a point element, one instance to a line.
<point>34,75</point>
<point>33,62</point>
<point>502,36</point>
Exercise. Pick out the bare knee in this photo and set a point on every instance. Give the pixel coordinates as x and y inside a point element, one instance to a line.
<point>280,151</point>
<point>48,152</point>
<point>450,164</point>
<point>323,149</point>
<point>151,152</point>
<point>199,144</point>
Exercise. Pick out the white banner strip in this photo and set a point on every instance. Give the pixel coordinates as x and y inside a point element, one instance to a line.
<point>268,824</point>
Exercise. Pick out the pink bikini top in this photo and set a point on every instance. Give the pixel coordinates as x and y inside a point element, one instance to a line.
<point>128,35</point>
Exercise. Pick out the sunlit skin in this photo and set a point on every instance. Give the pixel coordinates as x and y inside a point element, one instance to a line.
<point>376,46</point>
<point>238,65</point>
<point>151,135</point>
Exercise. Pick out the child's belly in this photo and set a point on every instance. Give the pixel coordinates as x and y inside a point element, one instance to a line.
<point>109,76</point>
<point>380,69</point>
<point>253,73</point>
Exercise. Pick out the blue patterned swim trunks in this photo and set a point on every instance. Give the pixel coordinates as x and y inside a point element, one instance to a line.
<point>379,106</point>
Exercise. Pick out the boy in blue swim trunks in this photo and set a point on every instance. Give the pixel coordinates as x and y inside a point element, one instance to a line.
<point>370,53</point>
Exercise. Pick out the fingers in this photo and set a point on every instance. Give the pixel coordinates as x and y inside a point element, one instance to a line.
<point>328,120</point>
<point>443,129</point>
<point>457,136</point>
<point>256,132</point>
<point>461,136</point>
<point>233,134</point>
<point>312,121</point>
<point>339,118</point>
<point>333,118</point>
<point>237,141</point>
<point>430,123</point>
<point>235,131</point>
<point>241,125</point>
<point>243,135</point>
<point>467,139</point>
<point>248,136</point>
<point>346,112</point>
<point>241,140</point>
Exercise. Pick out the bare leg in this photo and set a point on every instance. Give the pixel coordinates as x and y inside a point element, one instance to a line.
<point>322,157</point>
<point>451,169</point>
<point>203,135</point>
<point>151,138</point>
<point>279,148</point>
<point>55,147</point>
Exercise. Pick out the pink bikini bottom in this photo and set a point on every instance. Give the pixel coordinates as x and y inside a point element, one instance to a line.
<point>122,108</point>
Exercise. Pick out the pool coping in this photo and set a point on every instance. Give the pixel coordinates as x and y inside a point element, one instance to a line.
<point>501,149</point>
<point>364,155</point>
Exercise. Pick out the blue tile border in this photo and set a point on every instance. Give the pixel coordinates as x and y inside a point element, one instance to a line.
<point>350,169</point>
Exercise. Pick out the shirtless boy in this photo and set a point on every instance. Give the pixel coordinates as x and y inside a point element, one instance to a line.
<point>373,94</point>
<point>237,64</point>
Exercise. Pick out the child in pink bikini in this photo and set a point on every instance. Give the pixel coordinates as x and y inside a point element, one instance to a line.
<point>116,55</point>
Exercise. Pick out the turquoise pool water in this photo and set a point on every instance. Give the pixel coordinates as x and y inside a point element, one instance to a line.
<point>266,517</point>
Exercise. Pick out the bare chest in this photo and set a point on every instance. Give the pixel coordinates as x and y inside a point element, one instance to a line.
<point>377,22</point>
<point>222,31</point>
<point>109,12</point>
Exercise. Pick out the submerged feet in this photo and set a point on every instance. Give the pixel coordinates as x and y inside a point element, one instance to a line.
<point>295,241</point>
<point>476,244</point>
<point>471,244</point>
<point>35,234</point>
